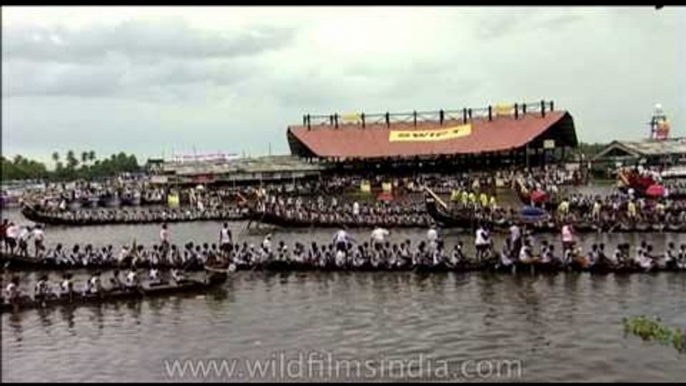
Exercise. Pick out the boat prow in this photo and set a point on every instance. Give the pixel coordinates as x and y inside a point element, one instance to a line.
<point>188,286</point>
<point>219,274</point>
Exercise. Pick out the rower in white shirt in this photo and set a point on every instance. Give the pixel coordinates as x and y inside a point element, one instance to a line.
<point>12,291</point>
<point>267,243</point>
<point>39,240</point>
<point>432,238</point>
<point>645,259</point>
<point>24,235</point>
<point>66,286</point>
<point>670,257</point>
<point>341,240</point>
<point>93,285</point>
<point>132,278</point>
<point>153,274</point>
<point>177,276</point>
<point>225,238</point>
<point>505,259</point>
<point>681,258</point>
<point>482,243</point>
<point>640,252</point>
<point>340,258</point>
<point>165,238</point>
<point>378,236</point>
<point>11,236</point>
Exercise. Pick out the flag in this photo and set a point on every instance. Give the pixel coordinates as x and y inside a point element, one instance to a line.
<point>173,200</point>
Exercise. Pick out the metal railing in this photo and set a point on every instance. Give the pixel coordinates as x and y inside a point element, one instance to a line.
<point>491,112</point>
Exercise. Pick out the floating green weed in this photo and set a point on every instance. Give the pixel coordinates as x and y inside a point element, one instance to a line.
<point>652,330</point>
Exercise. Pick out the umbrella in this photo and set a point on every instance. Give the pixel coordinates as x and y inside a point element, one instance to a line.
<point>538,196</point>
<point>655,190</point>
<point>531,211</point>
<point>532,214</point>
<point>385,196</point>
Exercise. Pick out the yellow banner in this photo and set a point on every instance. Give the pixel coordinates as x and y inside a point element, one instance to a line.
<point>430,135</point>
<point>504,109</point>
<point>173,200</point>
<point>386,187</point>
<point>365,187</point>
<point>350,117</point>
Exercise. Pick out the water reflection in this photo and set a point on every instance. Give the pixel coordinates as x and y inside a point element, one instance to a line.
<point>44,316</point>
<point>134,309</point>
<point>67,313</point>
<point>15,325</point>
<point>97,316</point>
<point>555,323</point>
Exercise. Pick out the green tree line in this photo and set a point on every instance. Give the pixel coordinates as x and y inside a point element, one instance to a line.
<point>87,165</point>
<point>590,149</point>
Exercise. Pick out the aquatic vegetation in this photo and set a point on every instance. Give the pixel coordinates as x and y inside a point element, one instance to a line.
<point>653,330</point>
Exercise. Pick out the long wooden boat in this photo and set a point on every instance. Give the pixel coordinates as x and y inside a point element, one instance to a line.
<point>110,201</point>
<point>89,201</point>
<point>16,262</point>
<point>152,200</point>
<point>468,265</point>
<point>465,266</point>
<point>131,199</point>
<point>282,221</point>
<point>452,220</point>
<point>74,205</point>
<point>188,286</point>
<point>48,219</point>
<point>447,220</point>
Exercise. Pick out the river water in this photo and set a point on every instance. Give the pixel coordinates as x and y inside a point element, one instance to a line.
<point>554,327</point>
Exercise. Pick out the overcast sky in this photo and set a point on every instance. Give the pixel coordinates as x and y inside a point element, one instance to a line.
<point>162,79</point>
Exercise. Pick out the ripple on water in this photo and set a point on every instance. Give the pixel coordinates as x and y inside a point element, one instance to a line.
<point>563,327</point>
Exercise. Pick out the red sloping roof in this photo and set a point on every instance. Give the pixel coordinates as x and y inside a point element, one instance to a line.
<point>351,140</point>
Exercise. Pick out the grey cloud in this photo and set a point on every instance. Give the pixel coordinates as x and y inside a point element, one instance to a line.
<point>26,79</point>
<point>498,22</point>
<point>507,22</point>
<point>302,89</point>
<point>180,72</point>
<point>134,59</point>
<point>117,77</point>
<point>427,85</point>
<point>114,79</point>
<point>137,40</point>
<point>607,73</point>
<point>557,22</point>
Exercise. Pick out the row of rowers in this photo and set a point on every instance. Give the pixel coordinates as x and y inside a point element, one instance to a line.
<point>132,280</point>
<point>345,251</point>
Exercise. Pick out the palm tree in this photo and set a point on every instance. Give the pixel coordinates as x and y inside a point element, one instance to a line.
<point>56,159</point>
<point>91,155</point>
<point>84,157</point>
<point>72,161</point>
